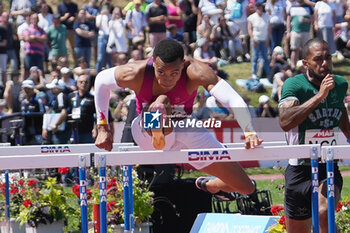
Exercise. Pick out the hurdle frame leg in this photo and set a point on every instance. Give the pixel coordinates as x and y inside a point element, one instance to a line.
<point>330,190</point>
<point>7,203</point>
<point>128,199</point>
<point>83,194</point>
<point>103,194</point>
<point>314,193</point>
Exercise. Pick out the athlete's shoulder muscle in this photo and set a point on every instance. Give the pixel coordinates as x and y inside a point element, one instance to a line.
<point>200,73</point>
<point>131,74</point>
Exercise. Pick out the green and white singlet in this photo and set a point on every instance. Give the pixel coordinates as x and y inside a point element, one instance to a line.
<point>321,126</point>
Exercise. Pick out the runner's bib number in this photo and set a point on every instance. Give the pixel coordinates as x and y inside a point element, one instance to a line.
<point>325,137</point>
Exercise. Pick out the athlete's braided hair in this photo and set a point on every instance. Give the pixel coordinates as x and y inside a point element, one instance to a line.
<point>168,50</point>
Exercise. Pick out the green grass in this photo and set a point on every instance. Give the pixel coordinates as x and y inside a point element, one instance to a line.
<point>244,71</point>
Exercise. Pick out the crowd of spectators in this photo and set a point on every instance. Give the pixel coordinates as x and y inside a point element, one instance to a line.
<point>54,52</point>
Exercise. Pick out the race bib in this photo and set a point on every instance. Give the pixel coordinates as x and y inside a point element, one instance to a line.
<point>325,137</point>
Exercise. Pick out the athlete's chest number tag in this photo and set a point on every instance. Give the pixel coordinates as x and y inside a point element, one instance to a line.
<point>326,137</point>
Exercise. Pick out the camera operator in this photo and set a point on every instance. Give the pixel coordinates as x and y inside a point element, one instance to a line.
<point>60,107</point>
<point>83,109</point>
<point>32,123</point>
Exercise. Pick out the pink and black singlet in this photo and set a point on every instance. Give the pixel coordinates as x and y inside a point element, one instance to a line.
<point>180,100</point>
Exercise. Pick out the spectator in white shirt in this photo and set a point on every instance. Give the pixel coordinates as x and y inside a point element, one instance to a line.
<point>135,21</point>
<point>259,29</point>
<point>325,19</point>
<point>102,20</point>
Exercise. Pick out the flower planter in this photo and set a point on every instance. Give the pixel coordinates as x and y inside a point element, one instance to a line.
<point>55,227</point>
<point>15,227</point>
<point>139,228</point>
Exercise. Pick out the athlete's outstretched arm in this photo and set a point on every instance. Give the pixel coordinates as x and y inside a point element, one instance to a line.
<point>229,98</point>
<point>105,82</point>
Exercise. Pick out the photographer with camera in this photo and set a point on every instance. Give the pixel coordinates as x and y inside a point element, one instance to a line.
<point>54,122</point>
<point>32,111</point>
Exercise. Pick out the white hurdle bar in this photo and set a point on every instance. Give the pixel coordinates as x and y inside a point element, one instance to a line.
<point>56,149</point>
<point>205,155</point>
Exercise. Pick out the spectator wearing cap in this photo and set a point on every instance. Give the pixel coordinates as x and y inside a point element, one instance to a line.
<point>83,109</point>
<point>3,51</point>
<point>32,123</point>
<point>102,20</point>
<point>36,75</point>
<point>61,105</point>
<point>35,38</point>
<point>84,32</point>
<point>12,93</point>
<point>67,81</point>
<point>264,109</point>
<point>157,16</point>
<point>278,60</point>
<point>57,35</point>
<point>259,29</point>
<point>136,22</point>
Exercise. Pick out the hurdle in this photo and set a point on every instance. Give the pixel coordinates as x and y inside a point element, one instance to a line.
<point>233,152</point>
<point>50,162</point>
<point>83,160</point>
<point>329,154</point>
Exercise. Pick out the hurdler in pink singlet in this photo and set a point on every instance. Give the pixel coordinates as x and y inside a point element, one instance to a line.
<point>180,100</point>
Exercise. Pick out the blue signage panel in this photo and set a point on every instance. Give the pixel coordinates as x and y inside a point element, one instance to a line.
<point>232,223</point>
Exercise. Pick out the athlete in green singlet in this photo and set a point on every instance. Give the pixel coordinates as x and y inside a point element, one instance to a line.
<point>312,112</point>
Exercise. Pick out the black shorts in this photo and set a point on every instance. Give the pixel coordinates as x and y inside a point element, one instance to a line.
<point>297,195</point>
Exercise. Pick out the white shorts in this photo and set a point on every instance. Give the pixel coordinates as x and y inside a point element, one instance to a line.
<point>298,40</point>
<point>194,138</point>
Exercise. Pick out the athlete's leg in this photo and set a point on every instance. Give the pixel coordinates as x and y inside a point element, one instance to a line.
<point>298,226</point>
<point>323,205</point>
<point>230,178</point>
